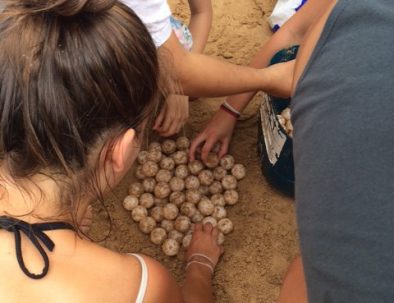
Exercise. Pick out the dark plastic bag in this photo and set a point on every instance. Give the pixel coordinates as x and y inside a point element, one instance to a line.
<point>274,145</point>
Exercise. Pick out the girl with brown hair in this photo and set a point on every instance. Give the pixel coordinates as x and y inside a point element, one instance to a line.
<point>78,79</point>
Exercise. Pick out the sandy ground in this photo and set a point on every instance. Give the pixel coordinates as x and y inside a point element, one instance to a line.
<point>264,241</point>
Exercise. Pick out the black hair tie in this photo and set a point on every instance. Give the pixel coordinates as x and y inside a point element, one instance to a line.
<point>35,232</point>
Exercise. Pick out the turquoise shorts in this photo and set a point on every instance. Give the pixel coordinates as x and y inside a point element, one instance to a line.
<point>183,33</point>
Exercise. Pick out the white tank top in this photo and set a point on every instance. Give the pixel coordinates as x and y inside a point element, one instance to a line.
<point>144,279</point>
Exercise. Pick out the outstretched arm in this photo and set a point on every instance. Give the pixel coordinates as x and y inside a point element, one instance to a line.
<point>204,76</point>
<point>220,128</point>
<point>291,33</point>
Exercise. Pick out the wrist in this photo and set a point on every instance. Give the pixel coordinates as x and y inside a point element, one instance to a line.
<point>200,262</point>
<point>197,271</point>
<point>265,76</point>
<point>227,108</point>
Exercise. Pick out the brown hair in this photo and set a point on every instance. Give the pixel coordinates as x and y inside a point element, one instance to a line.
<point>70,72</point>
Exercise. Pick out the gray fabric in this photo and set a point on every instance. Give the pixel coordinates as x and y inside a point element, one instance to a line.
<point>343,153</point>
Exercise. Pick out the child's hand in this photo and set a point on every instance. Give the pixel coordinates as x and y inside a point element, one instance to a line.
<point>219,130</point>
<point>173,116</point>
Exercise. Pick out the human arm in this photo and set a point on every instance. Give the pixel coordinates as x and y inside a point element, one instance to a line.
<point>205,76</point>
<point>200,75</point>
<point>176,109</point>
<point>291,33</point>
<point>220,128</point>
<point>200,23</point>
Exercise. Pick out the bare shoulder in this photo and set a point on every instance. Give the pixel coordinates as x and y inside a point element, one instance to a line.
<point>118,276</point>
<point>114,277</point>
<point>161,286</point>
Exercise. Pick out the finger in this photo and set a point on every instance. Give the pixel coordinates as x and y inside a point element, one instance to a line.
<point>207,227</point>
<point>159,119</point>
<point>207,148</point>
<point>165,126</point>
<point>216,148</point>
<point>167,122</point>
<point>172,129</point>
<point>195,144</point>
<point>223,148</point>
<point>165,135</point>
<point>175,126</point>
<point>179,127</point>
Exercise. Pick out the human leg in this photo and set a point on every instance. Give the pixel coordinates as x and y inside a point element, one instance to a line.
<point>200,23</point>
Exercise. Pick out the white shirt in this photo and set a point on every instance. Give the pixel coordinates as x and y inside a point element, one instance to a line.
<point>155,14</point>
<point>283,11</point>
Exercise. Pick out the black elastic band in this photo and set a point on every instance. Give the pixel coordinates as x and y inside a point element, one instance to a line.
<point>35,232</point>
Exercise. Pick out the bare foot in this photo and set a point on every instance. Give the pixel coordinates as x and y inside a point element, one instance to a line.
<point>204,241</point>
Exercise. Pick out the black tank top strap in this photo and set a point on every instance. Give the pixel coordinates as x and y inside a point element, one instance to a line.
<point>35,232</point>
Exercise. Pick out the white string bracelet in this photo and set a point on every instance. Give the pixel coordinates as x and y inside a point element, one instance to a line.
<point>201,263</point>
<point>229,107</point>
<point>202,256</point>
